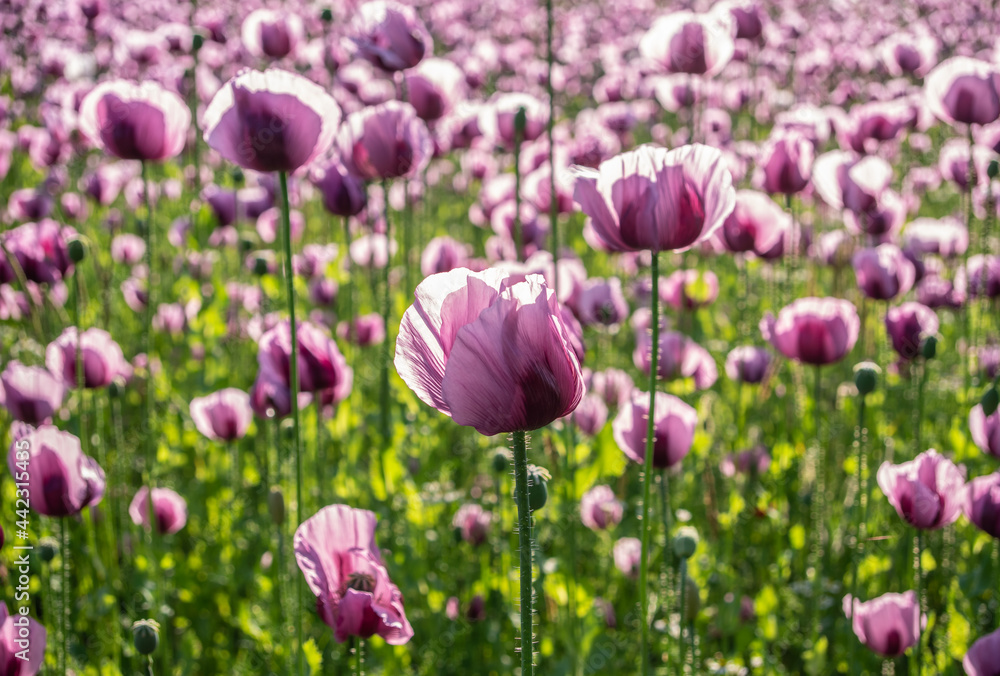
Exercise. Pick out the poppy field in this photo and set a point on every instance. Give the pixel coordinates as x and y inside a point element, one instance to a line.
<point>543,337</point>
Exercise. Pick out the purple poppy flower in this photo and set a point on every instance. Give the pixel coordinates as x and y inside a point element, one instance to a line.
<point>673,432</point>
<point>385,141</point>
<point>391,36</point>
<point>786,163</point>
<point>927,492</point>
<point>757,224</point>
<point>591,415</point>
<point>135,121</point>
<point>337,554</point>
<point>492,354</point>
<point>680,357</point>
<point>224,415</point>
<point>889,624</point>
<point>686,42</point>
<point>473,522</point>
<point>600,509</point>
<point>985,430</point>
<point>30,394</point>
<point>103,359</point>
<point>747,364</point>
<point>343,193</point>
<point>271,33</point>
<point>689,289</point>
<point>655,199</point>
<point>321,366</point>
<point>907,326</point>
<point>814,331</point>
<point>169,507</point>
<point>601,301</point>
<point>964,90</point>
<point>883,272</point>
<point>983,657</point>
<point>982,503</point>
<point>22,644</point>
<point>61,479</point>
<point>627,552</point>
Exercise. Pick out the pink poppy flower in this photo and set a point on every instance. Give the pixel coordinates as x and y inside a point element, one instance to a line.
<point>814,331</point>
<point>135,121</point>
<point>927,492</point>
<point>169,507</point>
<point>224,415</point>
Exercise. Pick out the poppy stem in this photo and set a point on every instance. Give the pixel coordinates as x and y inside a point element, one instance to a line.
<point>293,378</point>
<point>971,181</point>
<point>518,135</point>
<point>569,469</point>
<point>384,371</point>
<point>818,512</point>
<point>919,575</point>
<point>921,386</point>
<point>358,648</point>
<point>648,465</point>
<point>553,203</point>
<point>524,542</point>
<point>63,585</point>
<point>860,504</point>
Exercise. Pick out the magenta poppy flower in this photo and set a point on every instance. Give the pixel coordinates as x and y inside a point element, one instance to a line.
<point>61,479</point>
<point>883,272</point>
<point>443,254</point>
<point>674,424</point>
<point>686,42</point>
<point>964,90</point>
<point>169,507</point>
<point>748,15</point>
<point>983,276</point>
<point>869,124</point>
<point>337,554</point>
<point>614,386</point>
<point>814,331</point>
<point>15,643</point>
<point>489,352</point>
<point>270,398</point>
<point>224,415</point>
<point>983,656</point>
<point>496,119</point>
<point>786,163</point>
<point>321,366</point>
<point>845,181</point>
<point>434,87</point>
<point>944,237</point>
<point>103,359</point>
<point>267,224</point>
<point>30,394</point>
<point>927,492</point>
<point>757,224</point>
<point>888,625</point>
<point>601,301</point>
<point>391,36</point>
<point>41,249</point>
<point>473,523</point>
<point>343,193</point>
<point>907,326</point>
<point>363,330</point>
<point>627,553</point>
<point>689,289</point>
<point>271,121</point>
<point>982,503</point>
<point>747,364</point>
<point>600,509</point>
<point>385,141</point>
<point>985,430</point>
<point>271,33</point>
<point>29,204</point>
<point>591,415</point>
<point>127,249</point>
<point>680,357</point>
<point>135,121</point>
<point>652,198</point>
<point>908,53</point>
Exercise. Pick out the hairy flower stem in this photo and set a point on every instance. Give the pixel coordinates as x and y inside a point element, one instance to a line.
<point>648,467</point>
<point>569,470</point>
<point>524,543</point>
<point>386,344</point>
<point>63,598</point>
<point>518,137</point>
<point>293,378</point>
<point>819,514</point>
<point>918,572</point>
<point>859,504</point>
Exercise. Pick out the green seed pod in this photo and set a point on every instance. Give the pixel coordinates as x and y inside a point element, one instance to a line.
<point>692,600</point>
<point>197,42</point>
<point>520,120</point>
<point>866,377</point>
<point>993,169</point>
<point>237,174</point>
<point>326,15</point>
<point>990,400</point>
<point>246,245</point>
<point>260,266</point>
<point>276,505</point>
<point>686,542</point>
<point>117,387</point>
<point>47,549</point>
<point>538,492</point>
<point>146,635</point>
<point>928,348</point>
<point>501,461</point>
<point>77,250</point>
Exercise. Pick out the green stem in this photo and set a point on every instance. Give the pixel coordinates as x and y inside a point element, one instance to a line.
<point>524,542</point>
<point>818,512</point>
<point>293,377</point>
<point>386,344</point>
<point>921,386</point>
<point>516,234</point>
<point>63,586</point>
<point>553,203</point>
<point>919,573</point>
<point>967,310</point>
<point>648,466</point>
<point>858,505</point>
<point>569,469</point>
<point>682,591</point>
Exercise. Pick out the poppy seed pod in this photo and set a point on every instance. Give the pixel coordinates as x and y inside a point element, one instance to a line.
<point>685,542</point>
<point>865,377</point>
<point>146,636</point>
<point>990,401</point>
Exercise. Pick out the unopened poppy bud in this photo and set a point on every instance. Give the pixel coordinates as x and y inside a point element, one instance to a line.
<point>501,462</point>
<point>326,15</point>
<point>146,635</point>
<point>288,431</point>
<point>686,542</point>
<point>865,377</point>
<point>245,247</point>
<point>260,266</point>
<point>47,549</point>
<point>538,491</point>
<point>993,169</point>
<point>520,120</point>
<point>237,175</point>
<point>276,505</point>
<point>989,402</point>
<point>116,387</point>
<point>197,41</point>
<point>928,348</point>
<point>77,250</point>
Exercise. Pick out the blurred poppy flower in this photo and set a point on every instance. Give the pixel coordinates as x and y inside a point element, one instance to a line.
<point>135,121</point>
